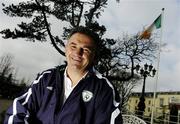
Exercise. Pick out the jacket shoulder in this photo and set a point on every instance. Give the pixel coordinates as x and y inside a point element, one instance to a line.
<point>47,76</point>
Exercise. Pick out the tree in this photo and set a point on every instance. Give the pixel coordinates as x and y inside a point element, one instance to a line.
<point>124,54</point>
<point>8,82</point>
<point>6,67</point>
<point>124,88</point>
<point>6,64</point>
<point>74,12</point>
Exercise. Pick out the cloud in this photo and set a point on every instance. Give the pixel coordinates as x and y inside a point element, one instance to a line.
<point>31,58</point>
<point>170,69</point>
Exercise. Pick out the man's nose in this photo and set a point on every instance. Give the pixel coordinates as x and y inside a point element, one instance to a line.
<point>79,51</point>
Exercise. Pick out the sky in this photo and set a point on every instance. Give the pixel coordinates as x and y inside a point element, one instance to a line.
<point>127,16</point>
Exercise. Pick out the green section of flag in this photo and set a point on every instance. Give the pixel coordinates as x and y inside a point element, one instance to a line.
<point>157,22</point>
<point>146,34</point>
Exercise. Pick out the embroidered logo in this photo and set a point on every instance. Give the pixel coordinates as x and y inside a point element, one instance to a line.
<point>87,95</point>
<point>49,88</point>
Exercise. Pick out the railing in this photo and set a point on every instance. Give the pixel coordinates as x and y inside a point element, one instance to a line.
<point>131,119</point>
<point>159,118</point>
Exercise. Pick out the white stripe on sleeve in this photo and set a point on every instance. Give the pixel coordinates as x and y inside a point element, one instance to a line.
<point>27,96</point>
<point>115,113</point>
<point>101,77</point>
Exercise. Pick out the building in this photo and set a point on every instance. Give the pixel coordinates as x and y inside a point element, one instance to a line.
<point>163,103</point>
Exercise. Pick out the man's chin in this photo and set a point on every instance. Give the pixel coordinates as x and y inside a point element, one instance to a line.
<point>76,66</point>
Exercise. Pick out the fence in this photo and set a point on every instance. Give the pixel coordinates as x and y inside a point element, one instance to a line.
<point>159,118</point>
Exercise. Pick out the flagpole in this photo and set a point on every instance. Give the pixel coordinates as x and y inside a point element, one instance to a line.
<point>157,74</point>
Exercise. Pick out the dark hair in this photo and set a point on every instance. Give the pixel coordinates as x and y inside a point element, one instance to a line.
<point>86,31</point>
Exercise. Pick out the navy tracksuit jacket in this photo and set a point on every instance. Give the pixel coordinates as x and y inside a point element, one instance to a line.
<point>92,101</point>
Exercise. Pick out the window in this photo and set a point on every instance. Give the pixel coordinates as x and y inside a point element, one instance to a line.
<point>149,109</point>
<point>149,102</point>
<point>161,103</point>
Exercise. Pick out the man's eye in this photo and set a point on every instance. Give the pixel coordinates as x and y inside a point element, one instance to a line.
<point>87,50</point>
<point>73,47</point>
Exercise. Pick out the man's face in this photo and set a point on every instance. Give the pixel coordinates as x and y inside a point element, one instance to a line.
<point>80,52</point>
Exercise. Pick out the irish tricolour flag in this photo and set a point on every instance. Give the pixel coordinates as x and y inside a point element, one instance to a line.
<point>146,34</point>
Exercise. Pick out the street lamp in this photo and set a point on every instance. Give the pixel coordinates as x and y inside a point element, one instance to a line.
<point>148,70</point>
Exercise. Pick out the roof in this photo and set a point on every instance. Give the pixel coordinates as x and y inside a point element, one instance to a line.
<point>151,94</point>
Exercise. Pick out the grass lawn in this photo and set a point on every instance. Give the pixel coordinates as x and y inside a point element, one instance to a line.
<point>4,104</point>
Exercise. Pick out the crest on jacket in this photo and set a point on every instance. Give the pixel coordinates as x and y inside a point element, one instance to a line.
<point>87,95</point>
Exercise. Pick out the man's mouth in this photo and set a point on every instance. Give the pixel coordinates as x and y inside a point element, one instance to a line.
<point>76,59</point>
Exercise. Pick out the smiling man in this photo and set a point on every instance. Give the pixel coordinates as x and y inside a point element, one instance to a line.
<point>72,94</point>
<point>80,55</point>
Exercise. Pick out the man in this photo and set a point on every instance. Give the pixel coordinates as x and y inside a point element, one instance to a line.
<point>72,94</point>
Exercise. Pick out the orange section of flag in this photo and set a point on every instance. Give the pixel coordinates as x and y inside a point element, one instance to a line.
<point>146,34</point>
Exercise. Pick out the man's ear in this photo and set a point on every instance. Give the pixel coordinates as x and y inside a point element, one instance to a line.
<point>95,62</point>
<point>96,54</point>
<point>65,49</point>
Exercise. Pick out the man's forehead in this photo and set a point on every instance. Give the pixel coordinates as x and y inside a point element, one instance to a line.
<point>80,37</point>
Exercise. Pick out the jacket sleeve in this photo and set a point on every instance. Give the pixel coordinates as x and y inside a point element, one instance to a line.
<point>25,105</point>
<point>107,110</point>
